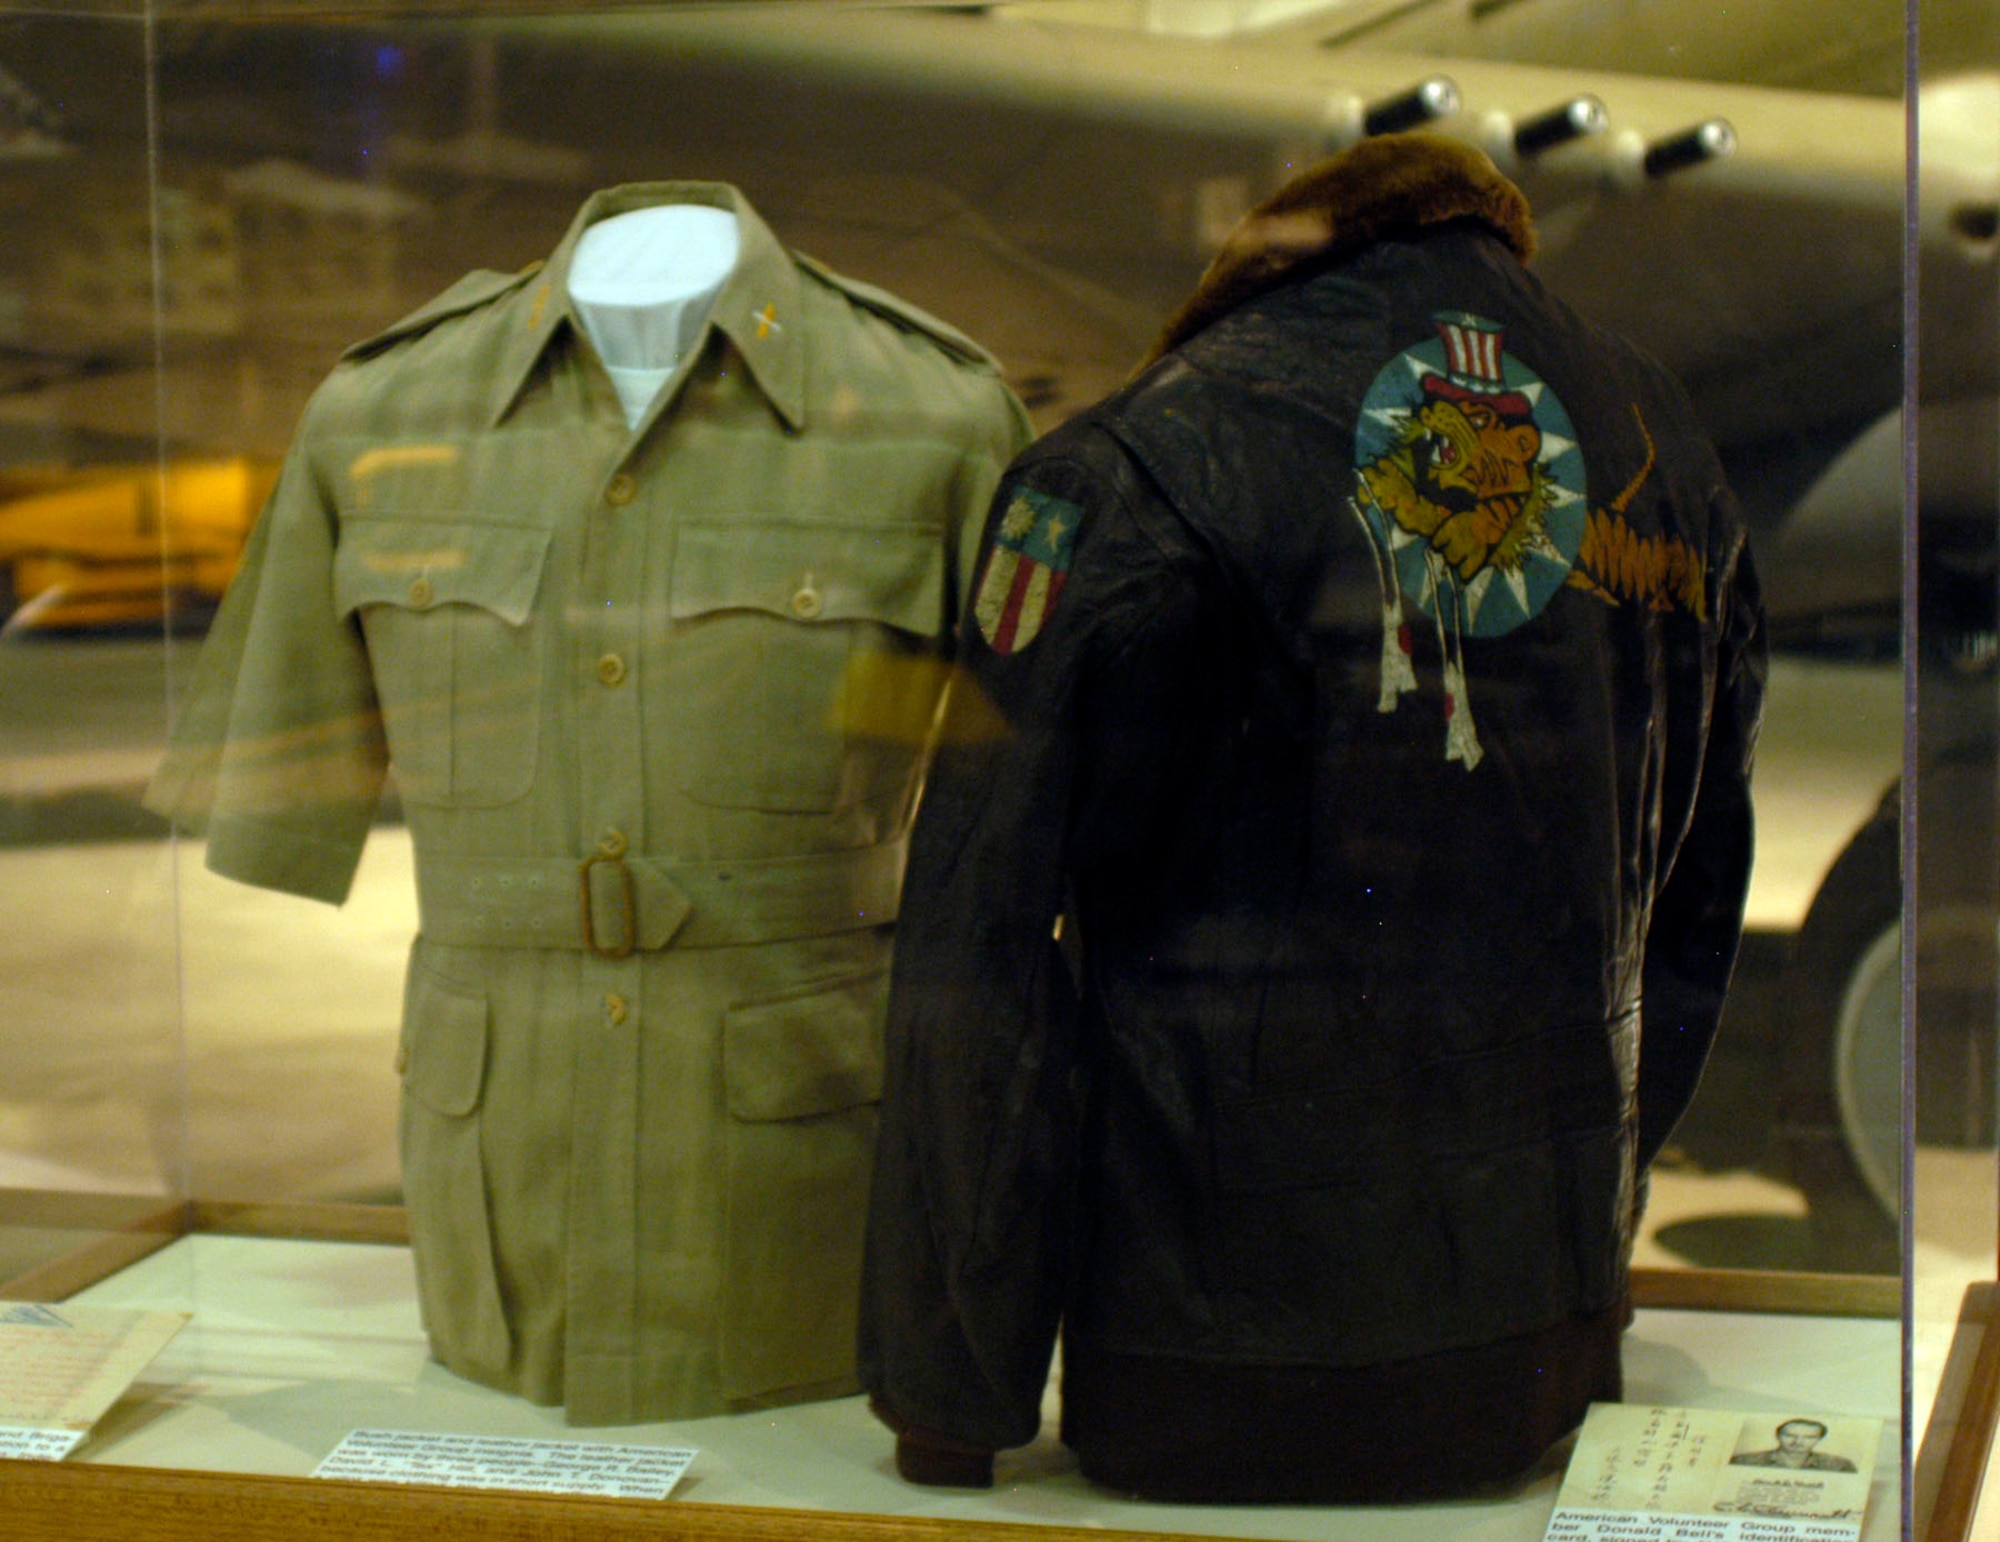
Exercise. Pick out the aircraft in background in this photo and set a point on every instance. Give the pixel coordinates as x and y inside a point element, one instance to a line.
<point>83,546</point>
<point>1051,177</point>
<point>1731,197</point>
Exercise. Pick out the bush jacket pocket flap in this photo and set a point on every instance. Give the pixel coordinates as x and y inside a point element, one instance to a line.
<point>423,563</point>
<point>806,571</point>
<point>812,1051</point>
<point>445,1029</point>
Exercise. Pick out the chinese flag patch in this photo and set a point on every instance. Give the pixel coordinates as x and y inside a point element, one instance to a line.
<point>1026,564</point>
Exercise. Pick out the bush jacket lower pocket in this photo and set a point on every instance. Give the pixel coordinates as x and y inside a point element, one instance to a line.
<point>444,1173</point>
<point>802,1077</point>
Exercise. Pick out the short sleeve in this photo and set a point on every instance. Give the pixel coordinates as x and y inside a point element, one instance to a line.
<point>277,751</point>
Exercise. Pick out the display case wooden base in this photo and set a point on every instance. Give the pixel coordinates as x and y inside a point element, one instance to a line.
<point>304,1328</point>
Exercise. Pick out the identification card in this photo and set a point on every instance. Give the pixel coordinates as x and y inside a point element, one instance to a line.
<point>1702,1475</point>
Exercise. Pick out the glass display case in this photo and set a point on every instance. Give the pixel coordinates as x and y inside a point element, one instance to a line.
<point>208,202</point>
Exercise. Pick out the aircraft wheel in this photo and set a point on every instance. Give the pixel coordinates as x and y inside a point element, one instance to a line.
<point>1841,1095</point>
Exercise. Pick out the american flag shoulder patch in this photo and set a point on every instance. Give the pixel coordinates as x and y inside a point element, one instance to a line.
<point>1027,562</point>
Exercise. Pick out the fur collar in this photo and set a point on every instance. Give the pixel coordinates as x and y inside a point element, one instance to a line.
<point>1390,185</point>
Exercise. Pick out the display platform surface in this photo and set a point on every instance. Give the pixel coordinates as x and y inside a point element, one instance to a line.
<point>294,1344</point>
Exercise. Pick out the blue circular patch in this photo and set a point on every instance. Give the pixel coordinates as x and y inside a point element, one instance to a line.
<point>1470,479</point>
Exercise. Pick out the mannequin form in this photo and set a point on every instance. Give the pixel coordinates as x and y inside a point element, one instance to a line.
<point>642,283</point>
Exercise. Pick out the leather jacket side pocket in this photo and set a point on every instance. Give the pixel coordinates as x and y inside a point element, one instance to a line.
<point>444,1177</point>
<point>802,1075</point>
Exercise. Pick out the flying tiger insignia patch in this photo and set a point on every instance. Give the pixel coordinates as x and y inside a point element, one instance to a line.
<point>1470,484</point>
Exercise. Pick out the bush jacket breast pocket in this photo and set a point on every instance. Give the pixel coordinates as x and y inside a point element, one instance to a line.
<point>802,1076</point>
<point>447,608</point>
<point>775,627</point>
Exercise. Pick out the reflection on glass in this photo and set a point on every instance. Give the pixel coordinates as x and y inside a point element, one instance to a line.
<point>1948,1163</point>
<point>339,176</point>
<point>92,1129</point>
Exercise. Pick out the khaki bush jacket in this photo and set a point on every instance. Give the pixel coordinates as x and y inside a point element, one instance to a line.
<point>657,702</point>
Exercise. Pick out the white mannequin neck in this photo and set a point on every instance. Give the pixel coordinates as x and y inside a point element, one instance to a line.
<point>642,284</point>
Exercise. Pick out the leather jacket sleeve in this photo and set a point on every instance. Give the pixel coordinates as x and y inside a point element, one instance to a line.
<point>965,1273</point>
<point>1698,911</point>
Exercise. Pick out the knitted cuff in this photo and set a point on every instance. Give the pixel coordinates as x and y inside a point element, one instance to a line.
<point>924,1456</point>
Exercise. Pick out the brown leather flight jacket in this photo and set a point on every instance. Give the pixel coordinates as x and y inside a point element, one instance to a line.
<point>1371,687</point>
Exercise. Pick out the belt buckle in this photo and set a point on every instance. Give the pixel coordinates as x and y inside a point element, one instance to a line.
<point>631,905</point>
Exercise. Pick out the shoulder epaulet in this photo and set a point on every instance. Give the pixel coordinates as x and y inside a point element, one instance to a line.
<point>900,311</point>
<point>477,288</point>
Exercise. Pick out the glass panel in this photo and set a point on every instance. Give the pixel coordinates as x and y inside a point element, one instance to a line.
<point>92,1134</point>
<point>1954,1188</point>
<point>1056,230</point>
<point>293,240</point>
<point>1052,180</point>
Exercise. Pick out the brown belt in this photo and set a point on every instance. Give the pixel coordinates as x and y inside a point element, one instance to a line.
<point>615,905</point>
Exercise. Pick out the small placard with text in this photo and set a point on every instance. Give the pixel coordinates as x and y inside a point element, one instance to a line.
<point>526,1466</point>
